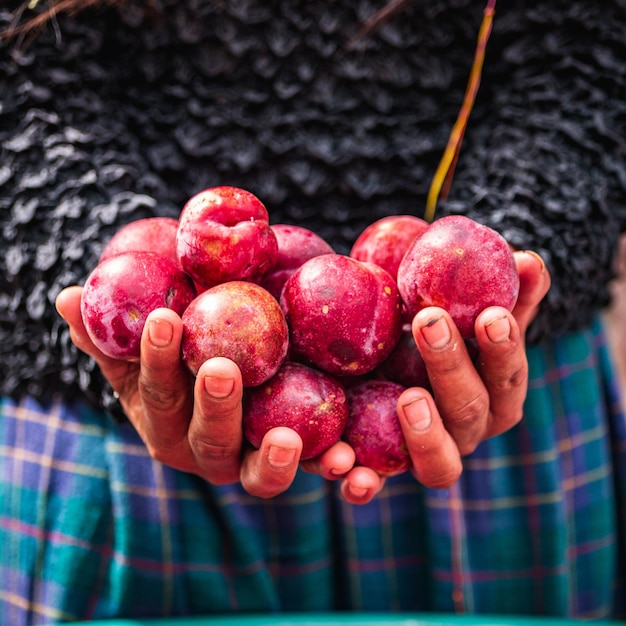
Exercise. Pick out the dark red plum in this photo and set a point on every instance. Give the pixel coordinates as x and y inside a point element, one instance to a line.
<point>296,245</point>
<point>373,429</point>
<point>238,320</point>
<point>405,365</point>
<point>224,235</point>
<point>150,234</point>
<point>385,241</point>
<point>302,398</point>
<point>122,290</point>
<point>461,266</point>
<point>344,316</point>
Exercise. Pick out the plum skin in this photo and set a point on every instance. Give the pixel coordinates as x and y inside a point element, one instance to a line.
<point>302,398</point>
<point>238,320</point>
<point>373,429</point>
<point>461,266</point>
<point>296,245</point>
<point>405,364</point>
<point>150,234</point>
<point>385,241</point>
<point>344,316</point>
<point>122,290</point>
<point>224,235</point>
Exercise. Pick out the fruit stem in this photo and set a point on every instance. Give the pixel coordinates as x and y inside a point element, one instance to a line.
<point>442,179</point>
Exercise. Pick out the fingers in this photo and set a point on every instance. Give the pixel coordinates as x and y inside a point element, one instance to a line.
<point>215,433</point>
<point>475,402</point>
<point>117,372</point>
<point>193,425</point>
<point>361,485</point>
<point>503,368</point>
<point>435,455</point>
<point>201,431</point>
<point>164,386</point>
<point>534,284</point>
<point>270,470</point>
<point>462,399</point>
<point>68,307</point>
<point>333,463</point>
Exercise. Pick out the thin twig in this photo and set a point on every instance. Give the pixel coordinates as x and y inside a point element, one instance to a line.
<point>442,179</point>
<point>373,22</point>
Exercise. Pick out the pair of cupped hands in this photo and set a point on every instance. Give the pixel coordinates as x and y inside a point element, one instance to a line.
<point>194,424</point>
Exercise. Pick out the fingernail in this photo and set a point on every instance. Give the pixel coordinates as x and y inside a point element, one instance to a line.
<point>498,329</point>
<point>281,457</point>
<point>160,333</point>
<point>418,415</point>
<point>218,387</point>
<point>538,258</point>
<point>436,332</point>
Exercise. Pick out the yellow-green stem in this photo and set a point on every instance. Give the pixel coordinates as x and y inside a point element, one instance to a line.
<point>445,170</point>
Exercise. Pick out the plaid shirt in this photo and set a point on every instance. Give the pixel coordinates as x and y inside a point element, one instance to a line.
<point>91,527</point>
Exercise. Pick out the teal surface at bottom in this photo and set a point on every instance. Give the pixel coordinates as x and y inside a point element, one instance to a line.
<point>343,619</point>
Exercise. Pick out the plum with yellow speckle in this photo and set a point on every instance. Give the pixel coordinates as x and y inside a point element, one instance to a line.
<point>302,398</point>
<point>344,315</point>
<point>461,266</point>
<point>240,321</point>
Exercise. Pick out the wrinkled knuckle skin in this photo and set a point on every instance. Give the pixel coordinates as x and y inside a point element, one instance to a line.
<point>508,381</point>
<point>209,452</point>
<point>468,422</point>
<point>470,413</point>
<point>158,397</point>
<point>518,378</point>
<point>217,464</point>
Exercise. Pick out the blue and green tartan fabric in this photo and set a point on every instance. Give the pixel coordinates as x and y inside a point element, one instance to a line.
<point>91,527</point>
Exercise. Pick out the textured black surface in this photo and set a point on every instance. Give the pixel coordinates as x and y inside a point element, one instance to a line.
<point>116,115</point>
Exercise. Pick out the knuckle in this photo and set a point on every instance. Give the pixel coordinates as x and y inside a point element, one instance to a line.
<point>212,454</point>
<point>158,397</point>
<point>467,423</point>
<point>469,413</point>
<point>503,381</point>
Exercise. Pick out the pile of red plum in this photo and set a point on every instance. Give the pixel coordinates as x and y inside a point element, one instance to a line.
<point>323,340</point>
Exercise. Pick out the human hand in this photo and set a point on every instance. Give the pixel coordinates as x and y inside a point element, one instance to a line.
<point>194,425</point>
<point>470,401</point>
